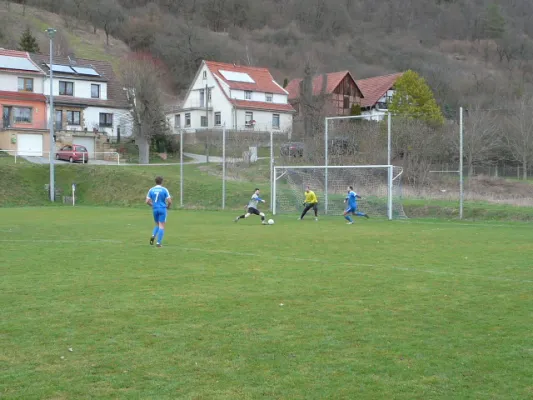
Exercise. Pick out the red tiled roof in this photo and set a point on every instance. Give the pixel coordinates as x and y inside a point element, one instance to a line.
<point>375,88</point>
<point>333,80</point>
<point>264,82</point>
<point>22,96</point>
<point>20,54</point>
<point>261,105</point>
<point>13,53</point>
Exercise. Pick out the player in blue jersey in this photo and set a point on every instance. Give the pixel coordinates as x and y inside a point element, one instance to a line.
<point>351,199</point>
<point>159,199</point>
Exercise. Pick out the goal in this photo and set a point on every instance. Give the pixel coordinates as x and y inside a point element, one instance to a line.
<point>378,185</point>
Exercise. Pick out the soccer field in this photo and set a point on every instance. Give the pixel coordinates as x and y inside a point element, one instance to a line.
<point>298,310</point>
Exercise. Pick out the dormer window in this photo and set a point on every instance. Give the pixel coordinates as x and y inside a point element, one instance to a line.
<point>248,95</point>
<point>268,97</point>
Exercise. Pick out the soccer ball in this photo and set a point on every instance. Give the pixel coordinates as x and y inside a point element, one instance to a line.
<point>271,222</point>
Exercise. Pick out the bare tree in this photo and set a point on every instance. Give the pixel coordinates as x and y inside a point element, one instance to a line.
<point>141,77</point>
<point>519,138</point>
<point>107,14</point>
<point>481,137</point>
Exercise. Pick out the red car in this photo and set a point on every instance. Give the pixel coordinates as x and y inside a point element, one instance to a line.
<point>73,153</point>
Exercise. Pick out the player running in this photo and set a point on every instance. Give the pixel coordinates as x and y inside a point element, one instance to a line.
<point>352,206</point>
<point>311,201</point>
<point>252,207</point>
<point>159,199</point>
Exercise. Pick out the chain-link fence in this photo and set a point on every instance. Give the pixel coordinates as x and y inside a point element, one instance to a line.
<point>219,168</point>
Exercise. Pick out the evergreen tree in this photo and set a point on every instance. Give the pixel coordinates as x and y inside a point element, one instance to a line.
<point>28,42</point>
<point>285,82</point>
<point>414,99</point>
<point>355,110</point>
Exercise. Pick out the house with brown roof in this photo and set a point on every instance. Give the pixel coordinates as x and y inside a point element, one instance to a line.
<point>89,100</point>
<point>23,126</point>
<point>340,90</point>
<point>378,92</point>
<point>239,97</point>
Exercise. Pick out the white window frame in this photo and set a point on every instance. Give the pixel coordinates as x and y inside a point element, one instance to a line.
<point>247,95</point>
<point>177,121</point>
<point>95,85</point>
<point>187,118</point>
<point>23,88</point>
<point>202,119</point>
<point>218,118</point>
<point>279,121</point>
<point>248,121</point>
<point>269,97</point>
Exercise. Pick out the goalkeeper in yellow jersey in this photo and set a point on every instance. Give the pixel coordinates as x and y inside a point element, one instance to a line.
<point>311,201</point>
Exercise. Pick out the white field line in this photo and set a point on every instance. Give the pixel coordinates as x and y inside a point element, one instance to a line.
<point>282,258</point>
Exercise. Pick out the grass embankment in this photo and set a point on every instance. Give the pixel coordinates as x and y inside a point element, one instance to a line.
<point>24,185</point>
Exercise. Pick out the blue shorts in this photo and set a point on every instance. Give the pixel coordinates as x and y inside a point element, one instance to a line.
<point>351,209</point>
<point>160,215</point>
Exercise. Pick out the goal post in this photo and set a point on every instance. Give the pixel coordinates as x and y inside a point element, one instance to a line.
<point>378,185</point>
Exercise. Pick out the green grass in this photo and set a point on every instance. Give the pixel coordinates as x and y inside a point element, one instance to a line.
<point>298,310</point>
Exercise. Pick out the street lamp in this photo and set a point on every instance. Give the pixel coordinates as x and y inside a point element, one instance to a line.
<point>51,33</point>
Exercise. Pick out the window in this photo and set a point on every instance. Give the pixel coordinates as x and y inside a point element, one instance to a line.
<point>59,119</point>
<point>188,120</point>
<point>66,88</point>
<point>203,121</point>
<point>106,119</point>
<point>248,118</point>
<point>73,117</point>
<point>95,91</point>
<point>268,97</point>
<point>25,84</point>
<point>247,95</point>
<point>22,114</point>
<point>209,94</point>
<point>275,121</point>
<point>177,121</point>
<point>218,119</point>
<point>205,75</point>
<point>202,98</point>
<point>346,102</point>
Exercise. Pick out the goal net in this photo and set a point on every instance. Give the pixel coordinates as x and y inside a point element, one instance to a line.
<point>378,185</point>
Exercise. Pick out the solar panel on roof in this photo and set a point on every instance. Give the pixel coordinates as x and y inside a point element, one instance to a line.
<point>61,68</point>
<point>86,71</point>
<point>237,76</point>
<point>23,64</point>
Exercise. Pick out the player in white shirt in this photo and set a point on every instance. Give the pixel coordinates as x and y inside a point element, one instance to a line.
<point>252,207</point>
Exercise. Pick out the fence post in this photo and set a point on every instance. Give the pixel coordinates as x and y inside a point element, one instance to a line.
<point>271,169</point>
<point>461,178</point>
<point>224,166</point>
<point>181,168</point>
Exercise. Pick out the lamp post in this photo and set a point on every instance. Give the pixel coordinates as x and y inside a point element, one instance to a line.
<point>51,33</point>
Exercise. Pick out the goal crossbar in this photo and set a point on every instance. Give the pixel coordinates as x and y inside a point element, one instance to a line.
<point>391,178</point>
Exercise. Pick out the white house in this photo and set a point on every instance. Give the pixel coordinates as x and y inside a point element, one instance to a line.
<point>239,97</point>
<point>377,92</point>
<point>88,99</point>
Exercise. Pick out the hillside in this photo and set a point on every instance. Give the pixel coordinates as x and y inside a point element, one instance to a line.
<point>470,52</point>
<point>74,38</point>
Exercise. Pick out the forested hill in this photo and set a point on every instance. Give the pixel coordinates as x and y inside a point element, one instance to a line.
<point>470,51</point>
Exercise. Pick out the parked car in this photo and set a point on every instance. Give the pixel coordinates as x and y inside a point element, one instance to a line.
<point>73,153</point>
<point>295,149</point>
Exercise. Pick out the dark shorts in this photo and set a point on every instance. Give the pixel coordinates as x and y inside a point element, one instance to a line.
<point>252,210</point>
